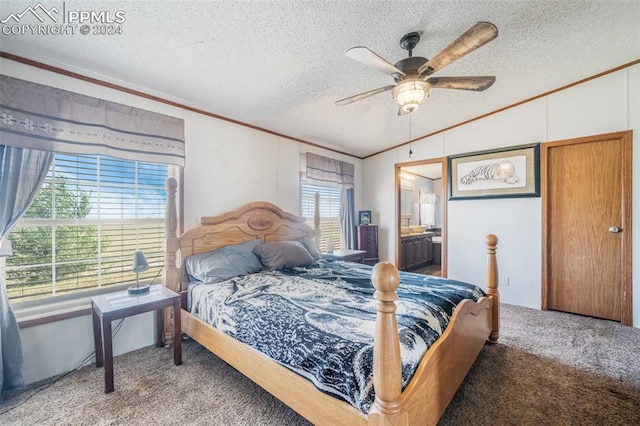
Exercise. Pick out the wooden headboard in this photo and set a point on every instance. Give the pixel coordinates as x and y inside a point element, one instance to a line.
<point>257,220</point>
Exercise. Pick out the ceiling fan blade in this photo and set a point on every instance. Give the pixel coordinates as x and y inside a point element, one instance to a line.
<point>367,57</point>
<point>477,36</point>
<point>462,83</point>
<point>354,98</point>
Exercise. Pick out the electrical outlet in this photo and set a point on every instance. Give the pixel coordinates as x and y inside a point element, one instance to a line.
<point>504,281</point>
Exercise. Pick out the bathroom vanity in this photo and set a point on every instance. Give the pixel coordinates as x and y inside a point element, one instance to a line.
<point>416,250</point>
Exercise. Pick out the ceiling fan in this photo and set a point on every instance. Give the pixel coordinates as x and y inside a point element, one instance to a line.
<point>412,74</point>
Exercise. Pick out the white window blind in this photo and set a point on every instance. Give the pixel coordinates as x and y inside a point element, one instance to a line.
<point>90,215</point>
<point>329,212</point>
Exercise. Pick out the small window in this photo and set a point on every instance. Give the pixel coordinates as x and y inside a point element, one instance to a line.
<point>329,212</point>
<point>89,217</point>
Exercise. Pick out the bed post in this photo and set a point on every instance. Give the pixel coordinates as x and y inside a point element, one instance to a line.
<point>492,286</point>
<point>387,367</point>
<point>172,245</point>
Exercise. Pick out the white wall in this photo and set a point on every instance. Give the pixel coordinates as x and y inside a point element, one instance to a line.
<point>226,166</point>
<point>608,104</point>
<point>58,347</point>
<point>229,165</point>
<point>378,176</point>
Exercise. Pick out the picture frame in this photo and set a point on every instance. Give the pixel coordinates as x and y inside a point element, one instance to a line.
<point>499,173</point>
<point>364,217</point>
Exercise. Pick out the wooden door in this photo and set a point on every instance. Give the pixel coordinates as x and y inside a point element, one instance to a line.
<point>587,226</point>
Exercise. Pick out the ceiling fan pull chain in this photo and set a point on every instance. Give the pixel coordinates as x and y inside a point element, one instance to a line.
<point>410,127</point>
<point>410,133</point>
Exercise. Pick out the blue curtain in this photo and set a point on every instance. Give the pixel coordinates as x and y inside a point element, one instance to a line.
<point>21,174</point>
<point>347,213</point>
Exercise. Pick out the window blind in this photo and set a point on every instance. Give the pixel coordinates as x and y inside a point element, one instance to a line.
<point>89,217</point>
<point>329,212</point>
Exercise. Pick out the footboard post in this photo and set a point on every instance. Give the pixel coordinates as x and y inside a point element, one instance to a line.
<point>492,286</point>
<point>172,245</point>
<point>387,367</point>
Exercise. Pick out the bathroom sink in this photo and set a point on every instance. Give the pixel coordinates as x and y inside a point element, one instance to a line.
<point>418,229</point>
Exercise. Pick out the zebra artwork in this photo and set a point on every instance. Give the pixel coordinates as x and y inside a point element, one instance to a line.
<point>502,171</point>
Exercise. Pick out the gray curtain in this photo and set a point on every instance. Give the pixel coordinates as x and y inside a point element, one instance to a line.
<point>46,118</point>
<point>326,171</point>
<point>22,171</point>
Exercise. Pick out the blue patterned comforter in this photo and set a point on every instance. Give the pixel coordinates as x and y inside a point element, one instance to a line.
<point>319,321</point>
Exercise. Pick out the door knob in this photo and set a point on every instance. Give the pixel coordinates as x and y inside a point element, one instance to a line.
<point>614,229</point>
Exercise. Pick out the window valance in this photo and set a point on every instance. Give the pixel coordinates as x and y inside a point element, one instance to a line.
<point>45,118</point>
<point>328,172</point>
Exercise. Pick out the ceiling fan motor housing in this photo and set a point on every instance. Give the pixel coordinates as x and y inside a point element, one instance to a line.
<point>410,66</point>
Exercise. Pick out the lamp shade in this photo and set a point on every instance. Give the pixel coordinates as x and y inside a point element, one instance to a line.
<point>410,94</point>
<point>139,262</point>
<point>5,248</point>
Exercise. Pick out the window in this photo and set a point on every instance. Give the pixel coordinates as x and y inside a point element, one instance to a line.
<point>329,212</point>
<point>89,217</point>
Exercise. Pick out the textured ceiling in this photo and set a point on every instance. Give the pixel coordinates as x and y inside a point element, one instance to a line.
<point>281,64</point>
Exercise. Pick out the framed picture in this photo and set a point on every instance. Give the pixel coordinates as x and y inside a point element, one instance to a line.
<point>500,173</point>
<point>364,217</point>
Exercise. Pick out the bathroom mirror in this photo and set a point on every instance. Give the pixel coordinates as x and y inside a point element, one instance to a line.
<point>406,202</point>
<point>422,252</point>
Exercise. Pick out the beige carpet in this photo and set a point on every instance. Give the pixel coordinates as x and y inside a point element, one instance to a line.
<point>550,368</point>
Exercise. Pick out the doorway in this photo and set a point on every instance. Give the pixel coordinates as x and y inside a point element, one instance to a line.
<point>421,216</point>
<point>586,201</point>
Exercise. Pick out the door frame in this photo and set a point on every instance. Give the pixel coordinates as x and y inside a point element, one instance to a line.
<point>626,137</point>
<point>398,167</point>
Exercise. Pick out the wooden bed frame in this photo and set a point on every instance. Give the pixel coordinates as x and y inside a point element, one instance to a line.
<point>436,379</point>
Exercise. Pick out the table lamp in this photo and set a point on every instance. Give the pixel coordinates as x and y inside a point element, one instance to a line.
<point>139,265</point>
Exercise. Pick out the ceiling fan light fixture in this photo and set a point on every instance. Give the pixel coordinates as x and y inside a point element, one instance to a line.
<point>411,94</point>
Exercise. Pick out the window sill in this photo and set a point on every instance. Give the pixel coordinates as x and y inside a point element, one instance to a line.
<point>31,314</point>
<point>53,312</point>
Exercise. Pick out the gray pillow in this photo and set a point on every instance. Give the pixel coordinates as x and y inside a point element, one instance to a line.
<point>283,254</point>
<point>310,245</point>
<point>222,264</point>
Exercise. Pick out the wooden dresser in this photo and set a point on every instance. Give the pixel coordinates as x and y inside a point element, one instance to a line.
<point>368,241</point>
